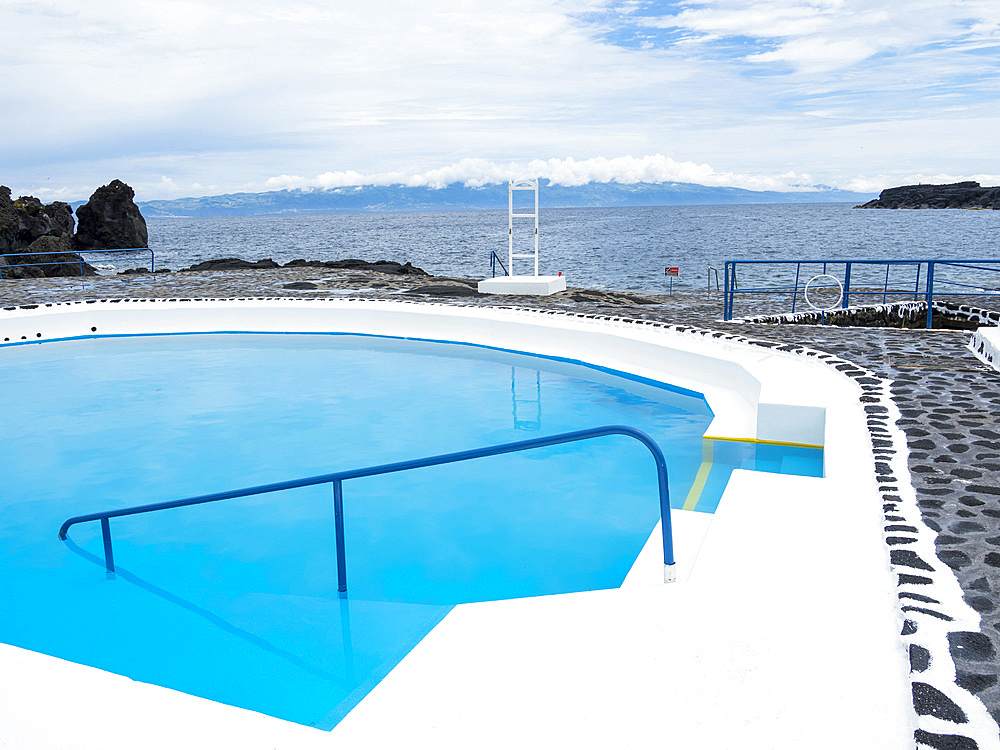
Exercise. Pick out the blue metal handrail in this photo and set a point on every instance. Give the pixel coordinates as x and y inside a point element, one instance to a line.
<point>81,253</point>
<point>927,293</point>
<point>337,478</point>
<point>494,259</point>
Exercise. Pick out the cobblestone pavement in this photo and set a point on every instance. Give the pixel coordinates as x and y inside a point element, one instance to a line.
<point>948,400</point>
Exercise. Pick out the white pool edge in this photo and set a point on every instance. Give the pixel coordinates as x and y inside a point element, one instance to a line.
<point>451,692</point>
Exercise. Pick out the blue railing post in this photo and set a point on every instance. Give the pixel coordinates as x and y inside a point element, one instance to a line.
<point>930,294</point>
<point>727,294</point>
<point>885,286</point>
<point>109,558</point>
<point>338,522</point>
<point>847,286</point>
<point>795,292</point>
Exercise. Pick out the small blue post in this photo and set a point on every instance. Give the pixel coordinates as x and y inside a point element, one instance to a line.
<point>338,522</point>
<point>109,559</point>
<point>930,294</point>
<point>795,292</point>
<point>727,302</point>
<point>847,286</point>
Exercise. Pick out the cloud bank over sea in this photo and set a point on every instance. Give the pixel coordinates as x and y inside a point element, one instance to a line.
<point>570,172</point>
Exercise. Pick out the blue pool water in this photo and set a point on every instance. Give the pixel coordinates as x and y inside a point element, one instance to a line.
<point>237,601</point>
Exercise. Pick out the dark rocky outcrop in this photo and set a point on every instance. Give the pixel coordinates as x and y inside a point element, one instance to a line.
<point>47,256</point>
<point>26,219</point>
<point>238,264</point>
<point>447,287</point>
<point>380,266</point>
<point>43,232</point>
<point>955,195</point>
<point>231,264</point>
<point>110,220</point>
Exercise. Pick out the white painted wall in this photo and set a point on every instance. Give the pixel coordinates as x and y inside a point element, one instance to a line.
<point>985,344</point>
<point>730,383</point>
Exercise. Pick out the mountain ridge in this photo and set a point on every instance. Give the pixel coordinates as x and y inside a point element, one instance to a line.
<point>459,197</point>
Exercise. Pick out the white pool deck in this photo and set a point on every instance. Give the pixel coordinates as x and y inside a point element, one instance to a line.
<point>782,630</point>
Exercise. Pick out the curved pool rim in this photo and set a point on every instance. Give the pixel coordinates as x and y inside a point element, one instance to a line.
<point>756,394</point>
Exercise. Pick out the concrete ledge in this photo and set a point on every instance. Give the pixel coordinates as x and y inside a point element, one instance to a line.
<point>985,344</point>
<point>539,285</point>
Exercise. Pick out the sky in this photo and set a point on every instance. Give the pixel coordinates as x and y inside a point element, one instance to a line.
<point>186,99</point>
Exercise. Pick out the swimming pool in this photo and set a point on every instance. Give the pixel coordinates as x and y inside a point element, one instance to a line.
<point>239,604</point>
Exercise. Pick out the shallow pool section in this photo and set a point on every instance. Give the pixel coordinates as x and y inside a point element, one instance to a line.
<point>719,457</point>
<point>237,601</point>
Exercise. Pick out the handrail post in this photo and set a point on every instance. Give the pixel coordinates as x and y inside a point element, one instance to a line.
<point>727,302</point>
<point>930,294</point>
<point>109,558</point>
<point>795,292</point>
<point>338,522</point>
<point>847,286</point>
<point>666,526</point>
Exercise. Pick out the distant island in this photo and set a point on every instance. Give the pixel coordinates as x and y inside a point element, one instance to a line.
<point>459,197</point>
<point>955,195</point>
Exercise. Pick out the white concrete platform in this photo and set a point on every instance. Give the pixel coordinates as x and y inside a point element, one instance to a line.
<point>535,285</point>
<point>781,632</point>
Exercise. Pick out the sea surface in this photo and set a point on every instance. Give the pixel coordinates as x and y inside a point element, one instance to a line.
<point>601,248</point>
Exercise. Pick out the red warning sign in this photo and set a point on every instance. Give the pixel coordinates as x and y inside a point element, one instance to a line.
<point>672,271</point>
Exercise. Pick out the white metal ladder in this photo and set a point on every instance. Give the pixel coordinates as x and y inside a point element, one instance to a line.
<point>513,185</point>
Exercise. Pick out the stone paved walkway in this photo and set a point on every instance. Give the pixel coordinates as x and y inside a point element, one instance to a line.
<point>948,400</point>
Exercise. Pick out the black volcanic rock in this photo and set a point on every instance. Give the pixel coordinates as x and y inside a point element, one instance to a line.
<point>955,195</point>
<point>110,220</point>
<point>231,264</point>
<point>26,219</point>
<point>44,234</point>
<point>46,257</point>
<point>380,266</point>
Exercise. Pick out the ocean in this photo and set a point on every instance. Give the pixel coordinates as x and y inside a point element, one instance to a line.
<point>599,248</point>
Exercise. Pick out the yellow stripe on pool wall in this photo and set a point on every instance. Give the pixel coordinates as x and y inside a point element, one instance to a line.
<point>707,450</point>
<point>762,442</point>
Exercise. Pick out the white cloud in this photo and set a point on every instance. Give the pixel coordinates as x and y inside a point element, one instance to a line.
<point>568,171</point>
<point>221,95</point>
<point>831,35</point>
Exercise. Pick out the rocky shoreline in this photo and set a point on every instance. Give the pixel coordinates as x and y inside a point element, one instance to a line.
<point>38,240</point>
<point>970,195</point>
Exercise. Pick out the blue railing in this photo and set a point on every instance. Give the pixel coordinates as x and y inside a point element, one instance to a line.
<point>494,260</point>
<point>81,253</point>
<point>929,278</point>
<point>337,478</point>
